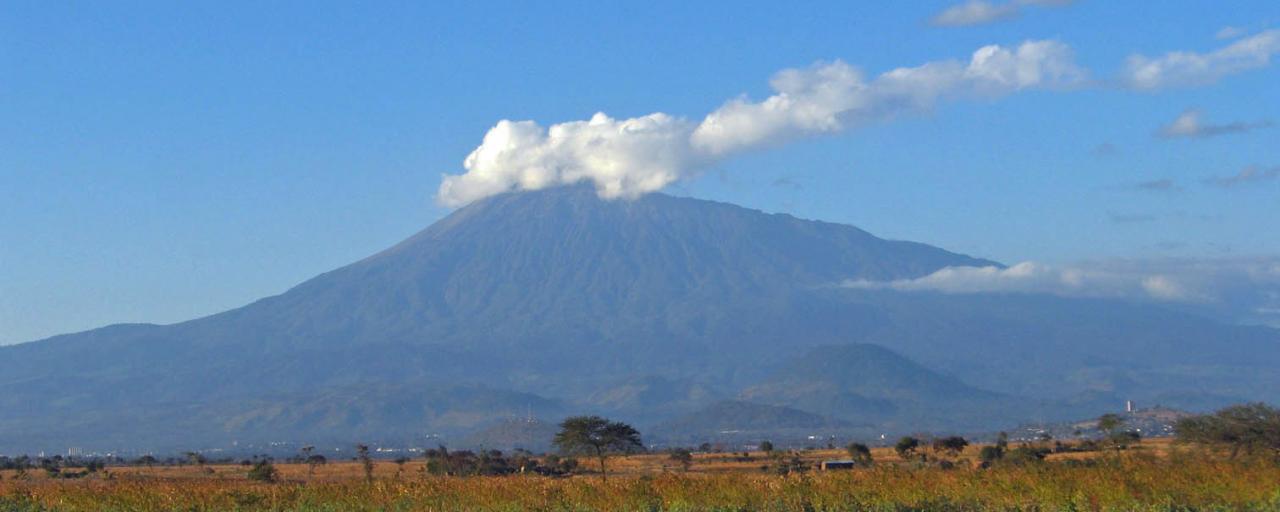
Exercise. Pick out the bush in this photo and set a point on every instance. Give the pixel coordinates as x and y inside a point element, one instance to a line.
<point>906,446</point>
<point>263,471</point>
<point>1122,440</point>
<point>1024,455</point>
<point>952,445</point>
<point>989,454</point>
<point>860,454</point>
<point>682,457</point>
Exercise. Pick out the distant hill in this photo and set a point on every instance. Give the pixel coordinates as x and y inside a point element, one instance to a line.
<point>870,384</point>
<point>651,395</point>
<point>514,433</point>
<point>645,310</point>
<point>739,420</point>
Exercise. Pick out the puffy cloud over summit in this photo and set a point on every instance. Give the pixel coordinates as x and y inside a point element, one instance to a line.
<point>622,157</point>
<point>625,158</point>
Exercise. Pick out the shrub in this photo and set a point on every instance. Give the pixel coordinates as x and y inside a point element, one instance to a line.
<point>860,454</point>
<point>263,471</point>
<point>989,454</point>
<point>1024,455</point>
<point>682,457</point>
<point>906,446</point>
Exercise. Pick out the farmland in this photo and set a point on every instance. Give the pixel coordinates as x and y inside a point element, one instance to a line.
<point>1155,475</point>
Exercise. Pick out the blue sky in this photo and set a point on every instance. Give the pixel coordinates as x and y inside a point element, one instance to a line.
<point>160,161</point>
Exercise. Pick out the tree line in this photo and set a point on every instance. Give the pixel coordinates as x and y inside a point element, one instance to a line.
<point>1239,430</point>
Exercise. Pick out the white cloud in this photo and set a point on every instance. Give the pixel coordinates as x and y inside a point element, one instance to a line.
<point>622,157</point>
<point>974,12</point>
<point>1184,69</point>
<point>1189,124</point>
<point>978,12</point>
<point>625,158</point>
<point>1253,284</point>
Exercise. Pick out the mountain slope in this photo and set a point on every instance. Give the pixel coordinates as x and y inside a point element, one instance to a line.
<point>645,310</point>
<point>735,419</point>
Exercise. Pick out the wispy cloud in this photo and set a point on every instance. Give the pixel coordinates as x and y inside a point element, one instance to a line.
<point>979,12</point>
<point>1230,32</point>
<point>629,157</point>
<point>1249,176</point>
<point>1130,218</point>
<point>1160,185</point>
<point>1189,125</point>
<point>787,182</point>
<point>1185,69</point>
<point>1105,149</point>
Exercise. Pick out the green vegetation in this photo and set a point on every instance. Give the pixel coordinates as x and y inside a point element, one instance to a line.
<point>860,454</point>
<point>597,436</point>
<point>951,445</point>
<point>366,462</point>
<point>263,471</point>
<point>906,447</point>
<point>1250,428</point>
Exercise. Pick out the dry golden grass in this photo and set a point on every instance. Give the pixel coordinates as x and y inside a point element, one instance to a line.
<point>1156,476</point>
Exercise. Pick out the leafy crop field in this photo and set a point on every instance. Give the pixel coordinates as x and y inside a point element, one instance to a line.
<point>1154,477</point>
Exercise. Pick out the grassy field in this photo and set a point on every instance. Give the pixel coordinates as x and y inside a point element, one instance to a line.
<point>1156,476</point>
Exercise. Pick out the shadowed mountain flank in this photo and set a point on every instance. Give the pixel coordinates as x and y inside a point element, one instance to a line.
<point>557,302</point>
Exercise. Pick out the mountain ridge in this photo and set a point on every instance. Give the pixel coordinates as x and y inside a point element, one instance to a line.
<point>660,306</point>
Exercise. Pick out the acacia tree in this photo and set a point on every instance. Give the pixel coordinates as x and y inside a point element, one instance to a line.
<point>195,458</point>
<point>951,445</point>
<point>366,462</point>
<point>1109,423</point>
<point>312,460</point>
<point>597,436</point>
<point>1112,425</point>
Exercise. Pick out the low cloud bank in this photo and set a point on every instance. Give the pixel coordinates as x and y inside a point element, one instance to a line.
<point>1250,287</point>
